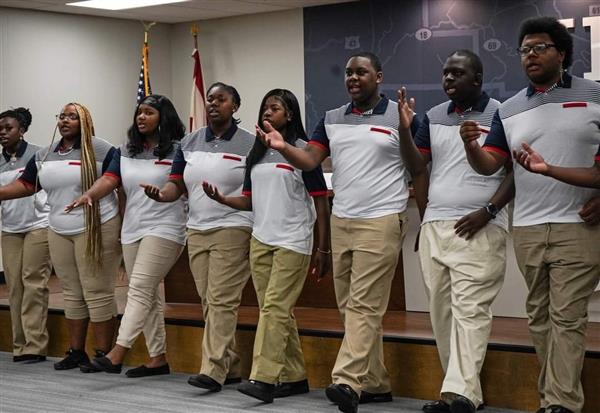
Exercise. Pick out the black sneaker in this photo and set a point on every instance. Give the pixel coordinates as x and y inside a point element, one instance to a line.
<point>88,367</point>
<point>73,360</point>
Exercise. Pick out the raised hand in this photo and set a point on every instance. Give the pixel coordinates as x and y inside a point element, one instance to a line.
<point>530,159</point>
<point>270,137</point>
<point>470,132</point>
<point>153,192</point>
<point>405,109</point>
<point>82,200</point>
<point>212,192</point>
<point>470,224</point>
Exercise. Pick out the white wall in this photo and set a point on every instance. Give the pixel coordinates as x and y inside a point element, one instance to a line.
<point>49,59</point>
<point>254,53</point>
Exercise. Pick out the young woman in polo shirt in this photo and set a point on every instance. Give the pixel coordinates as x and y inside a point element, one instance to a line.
<point>281,246</point>
<point>218,236</point>
<point>25,255</point>
<point>84,248</point>
<point>153,235</point>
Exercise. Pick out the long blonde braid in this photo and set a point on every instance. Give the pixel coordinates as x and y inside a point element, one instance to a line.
<point>89,174</point>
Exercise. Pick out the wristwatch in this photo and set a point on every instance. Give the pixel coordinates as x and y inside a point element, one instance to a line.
<point>491,209</point>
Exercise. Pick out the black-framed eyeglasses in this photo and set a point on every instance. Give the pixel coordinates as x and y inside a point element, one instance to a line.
<point>537,48</point>
<point>70,116</point>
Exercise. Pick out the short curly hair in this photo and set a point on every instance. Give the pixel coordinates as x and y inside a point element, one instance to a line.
<point>556,30</point>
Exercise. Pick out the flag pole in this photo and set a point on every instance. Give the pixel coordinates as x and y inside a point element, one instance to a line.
<point>194,29</point>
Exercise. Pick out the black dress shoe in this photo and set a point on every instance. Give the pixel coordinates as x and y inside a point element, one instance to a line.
<point>258,389</point>
<point>73,359</point>
<point>557,409</point>
<point>104,364</point>
<point>29,358</point>
<point>541,410</point>
<point>87,366</point>
<point>290,388</point>
<point>205,382</point>
<point>366,397</point>
<point>344,396</point>
<point>232,380</point>
<point>143,371</point>
<point>461,404</point>
<point>437,406</point>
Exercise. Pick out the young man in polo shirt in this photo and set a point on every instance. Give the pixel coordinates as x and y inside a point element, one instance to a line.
<point>557,252</point>
<point>463,236</point>
<point>367,226</point>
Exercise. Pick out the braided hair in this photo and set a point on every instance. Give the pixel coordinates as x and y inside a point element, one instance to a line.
<point>89,174</point>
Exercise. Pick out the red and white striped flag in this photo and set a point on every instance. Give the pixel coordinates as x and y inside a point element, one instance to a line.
<point>197,104</point>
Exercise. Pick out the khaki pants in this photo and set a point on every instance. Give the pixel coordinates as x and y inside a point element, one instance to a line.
<point>278,275</point>
<point>88,292</point>
<point>26,263</point>
<point>462,279</point>
<point>365,255</point>
<point>147,262</point>
<point>219,264</point>
<point>561,266</point>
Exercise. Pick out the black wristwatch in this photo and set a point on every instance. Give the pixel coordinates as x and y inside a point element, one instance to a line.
<point>491,209</point>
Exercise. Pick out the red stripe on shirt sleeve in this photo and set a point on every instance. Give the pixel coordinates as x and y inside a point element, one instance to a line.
<point>28,185</point>
<point>284,166</point>
<point>597,158</point>
<point>490,148</point>
<point>424,150</point>
<point>112,176</point>
<point>575,105</point>
<point>175,177</point>
<point>78,163</point>
<point>247,193</point>
<point>319,145</point>
<point>163,163</point>
<point>318,193</point>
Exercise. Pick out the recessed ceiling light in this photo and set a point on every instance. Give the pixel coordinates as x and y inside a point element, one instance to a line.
<point>121,4</point>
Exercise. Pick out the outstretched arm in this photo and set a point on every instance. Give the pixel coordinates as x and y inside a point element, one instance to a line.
<point>102,187</point>
<point>306,159</point>
<point>534,162</point>
<point>16,189</point>
<point>411,155</point>
<point>243,203</point>
<point>170,192</point>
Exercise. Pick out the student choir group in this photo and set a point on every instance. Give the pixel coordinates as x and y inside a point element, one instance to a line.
<point>247,203</point>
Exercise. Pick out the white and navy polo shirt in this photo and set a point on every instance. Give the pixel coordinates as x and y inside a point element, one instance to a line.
<point>455,189</point>
<point>144,216</point>
<point>369,176</point>
<point>284,212</point>
<point>221,162</point>
<point>21,214</point>
<point>563,125</point>
<point>59,174</point>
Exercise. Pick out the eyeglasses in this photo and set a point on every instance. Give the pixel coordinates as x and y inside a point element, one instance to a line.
<point>70,116</point>
<point>537,48</point>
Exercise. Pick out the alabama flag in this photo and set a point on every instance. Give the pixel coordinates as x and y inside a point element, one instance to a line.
<point>197,104</point>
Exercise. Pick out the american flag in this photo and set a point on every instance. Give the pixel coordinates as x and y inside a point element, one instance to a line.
<point>144,88</point>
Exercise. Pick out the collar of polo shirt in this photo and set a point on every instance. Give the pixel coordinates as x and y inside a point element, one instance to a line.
<point>379,109</point>
<point>565,82</point>
<point>479,106</point>
<point>210,135</point>
<point>20,151</point>
<point>76,145</point>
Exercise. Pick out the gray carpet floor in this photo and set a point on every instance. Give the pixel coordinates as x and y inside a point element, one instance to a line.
<point>26,388</point>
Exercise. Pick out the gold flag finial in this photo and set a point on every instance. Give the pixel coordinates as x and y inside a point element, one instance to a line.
<point>147,27</point>
<point>194,29</point>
